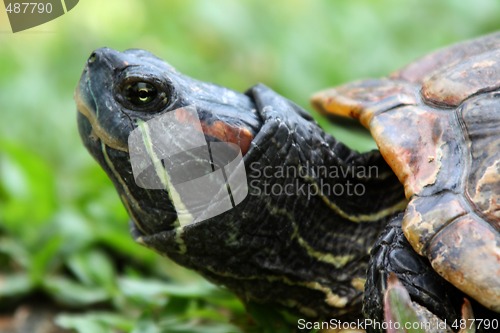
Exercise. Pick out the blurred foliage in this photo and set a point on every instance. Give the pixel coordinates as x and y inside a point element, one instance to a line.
<point>63,231</point>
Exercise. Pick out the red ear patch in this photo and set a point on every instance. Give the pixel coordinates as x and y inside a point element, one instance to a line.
<point>222,131</point>
<point>227,133</point>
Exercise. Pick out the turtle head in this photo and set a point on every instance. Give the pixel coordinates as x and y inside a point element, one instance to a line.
<point>118,91</point>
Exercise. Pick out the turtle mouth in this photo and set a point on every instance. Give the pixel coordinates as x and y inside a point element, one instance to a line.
<point>87,107</point>
<point>113,156</point>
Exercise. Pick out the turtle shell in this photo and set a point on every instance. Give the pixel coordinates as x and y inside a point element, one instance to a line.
<point>437,124</point>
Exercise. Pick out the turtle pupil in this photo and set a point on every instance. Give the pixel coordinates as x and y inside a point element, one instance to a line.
<point>140,93</point>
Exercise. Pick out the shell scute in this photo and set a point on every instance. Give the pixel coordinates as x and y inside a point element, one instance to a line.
<point>418,70</point>
<point>417,142</point>
<point>363,99</point>
<point>467,254</point>
<point>481,123</point>
<point>451,85</point>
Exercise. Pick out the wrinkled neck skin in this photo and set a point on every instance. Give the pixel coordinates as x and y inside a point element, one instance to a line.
<point>293,241</point>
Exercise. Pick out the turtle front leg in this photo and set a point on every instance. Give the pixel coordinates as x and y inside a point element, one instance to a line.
<point>392,254</point>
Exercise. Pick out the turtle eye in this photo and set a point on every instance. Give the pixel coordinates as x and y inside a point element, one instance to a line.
<point>140,93</point>
<point>143,94</point>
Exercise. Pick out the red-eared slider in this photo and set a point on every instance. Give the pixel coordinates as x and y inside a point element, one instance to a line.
<point>302,235</point>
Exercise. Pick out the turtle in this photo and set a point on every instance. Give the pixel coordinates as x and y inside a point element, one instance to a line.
<point>308,227</point>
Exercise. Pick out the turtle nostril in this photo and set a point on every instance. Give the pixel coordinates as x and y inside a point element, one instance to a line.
<point>92,58</point>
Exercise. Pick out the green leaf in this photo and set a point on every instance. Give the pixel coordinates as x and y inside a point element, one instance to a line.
<point>74,294</point>
<point>43,260</point>
<point>93,268</point>
<point>468,318</point>
<point>398,308</point>
<point>149,288</point>
<point>15,252</point>
<point>97,322</point>
<point>73,227</point>
<point>146,325</point>
<point>28,186</point>
<point>268,319</point>
<point>174,325</point>
<point>14,285</point>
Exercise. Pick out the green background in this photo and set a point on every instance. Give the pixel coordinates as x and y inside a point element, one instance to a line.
<point>63,231</point>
